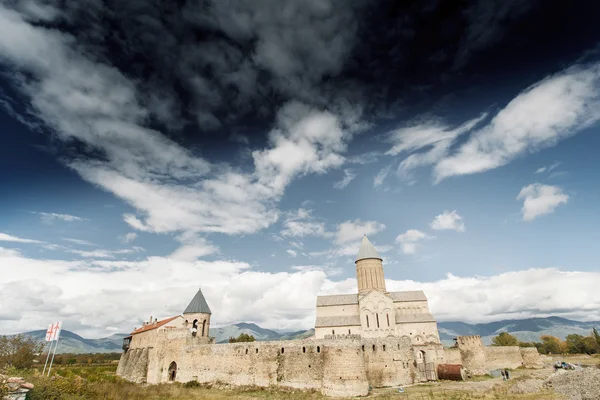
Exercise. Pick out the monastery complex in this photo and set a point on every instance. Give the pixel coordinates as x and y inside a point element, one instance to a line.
<point>373,338</point>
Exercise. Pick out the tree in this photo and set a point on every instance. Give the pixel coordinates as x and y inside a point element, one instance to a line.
<point>505,339</point>
<point>244,337</point>
<point>18,351</point>
<point>552,344</point>
<point>596,335</point>
<point>575,344</point>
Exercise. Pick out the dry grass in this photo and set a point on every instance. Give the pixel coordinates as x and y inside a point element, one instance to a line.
<point>100,382</point>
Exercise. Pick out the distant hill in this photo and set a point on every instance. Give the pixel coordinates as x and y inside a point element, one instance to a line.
<point>73,343</point>
<point>223,333</point>
<point>526,330</point>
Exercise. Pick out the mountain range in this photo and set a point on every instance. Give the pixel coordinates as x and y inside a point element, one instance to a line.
<point>526,330</point>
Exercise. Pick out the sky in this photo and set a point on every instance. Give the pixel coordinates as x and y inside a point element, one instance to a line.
<point>245,147</point>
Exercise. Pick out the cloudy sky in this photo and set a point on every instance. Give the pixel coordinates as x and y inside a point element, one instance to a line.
<point>149,148</point>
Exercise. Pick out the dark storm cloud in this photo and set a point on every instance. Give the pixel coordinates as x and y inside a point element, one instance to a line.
<point>215,62</point>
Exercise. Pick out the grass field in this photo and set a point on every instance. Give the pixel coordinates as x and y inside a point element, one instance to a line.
<point>100,382</point>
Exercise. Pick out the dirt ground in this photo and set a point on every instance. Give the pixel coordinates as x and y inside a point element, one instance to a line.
<point>539,384</point>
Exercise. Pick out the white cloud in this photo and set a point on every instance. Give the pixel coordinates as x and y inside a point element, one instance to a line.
<point>448,221</point>
<point>551,110</point>
<point>129,237</point>
<point>172,189</point>
<point>291,252</point>
<point>434,136</point>
<point>353,230</point>
<point>381,175</point>
<point>100,253</point>
<point>89,294</point>
<point>79,241</point>
<point>539,199</point>
<point>349,176</point>
<point>4,237</point>
<point>51,217</point>
<point>547,168</point>
<point>409,240</point>
<point>301,223</point>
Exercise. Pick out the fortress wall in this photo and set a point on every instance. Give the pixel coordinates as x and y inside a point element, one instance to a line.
<point>344,371</point>
<point>390,365</point>
<point>473,355</point>
<point>531,358</point>
<point>503,357</point>
<point>320,333</point>
<point>452,356</point>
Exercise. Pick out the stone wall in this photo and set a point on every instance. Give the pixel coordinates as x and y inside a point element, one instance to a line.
<point>473,354</point>
<point>344,366</point>
<point>452,356</point>
<point>503,357</point>
<point>531,358</point>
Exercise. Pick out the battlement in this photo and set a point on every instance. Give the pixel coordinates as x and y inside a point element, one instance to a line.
<point>342,337</point>
<point>473,340</point>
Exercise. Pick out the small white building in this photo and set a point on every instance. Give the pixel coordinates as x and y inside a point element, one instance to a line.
<point>374,312</point>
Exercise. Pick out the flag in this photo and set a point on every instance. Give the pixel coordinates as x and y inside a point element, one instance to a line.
<point>49,333</point>
<point>56,328</point>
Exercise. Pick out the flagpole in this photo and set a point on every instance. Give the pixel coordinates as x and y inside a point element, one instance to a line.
<point>52,360</point>
<point>47,357</point>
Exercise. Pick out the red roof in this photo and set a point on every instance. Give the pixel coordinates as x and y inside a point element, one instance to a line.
<point>154,325</point>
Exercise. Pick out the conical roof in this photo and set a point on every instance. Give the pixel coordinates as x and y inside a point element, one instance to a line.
<point>367,250</point>
<point>198,305</point>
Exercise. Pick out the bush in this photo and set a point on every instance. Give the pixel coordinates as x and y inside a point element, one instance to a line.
<point>192,384</point>
<point>18,351</point>
<point>505,339</point>
<point>242,338</point>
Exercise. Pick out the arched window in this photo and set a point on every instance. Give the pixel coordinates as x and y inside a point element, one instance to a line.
<point>318,349</point>
<point>195,327</point>
<point>384,347</point>
<point>246,351</point>
<point>363,347</point>
<point>377,317</point>
<point>333,331</point>
<point>172,371</point>
<point>282,350</point>
<point>349,332</point>
<point>304,349</point>
<point>373,348</point>
<point>367,321</point>
<point>257,350</point>
<point>388,318</point>
<point>203,327</point>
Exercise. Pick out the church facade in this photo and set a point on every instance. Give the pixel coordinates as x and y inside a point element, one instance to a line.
<point>373,338</point>
<point>374,312</point>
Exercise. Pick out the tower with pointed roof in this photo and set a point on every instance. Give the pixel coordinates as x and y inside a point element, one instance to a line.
<point>374,312</point>
<point>197,315</point>
<point>369,268</point>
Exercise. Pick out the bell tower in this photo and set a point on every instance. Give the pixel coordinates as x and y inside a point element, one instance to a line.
<point>197,315</point>
<point>369,268</point>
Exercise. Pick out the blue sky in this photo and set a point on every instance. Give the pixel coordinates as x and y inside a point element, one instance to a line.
<point>121,194</point>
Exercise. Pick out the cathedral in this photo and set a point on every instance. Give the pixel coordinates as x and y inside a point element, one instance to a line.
<point>374,312</point>
<point>373,338</point>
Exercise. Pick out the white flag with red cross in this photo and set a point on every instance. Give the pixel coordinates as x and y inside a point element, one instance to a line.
<point>49,333</point>
<point>53,331</point>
